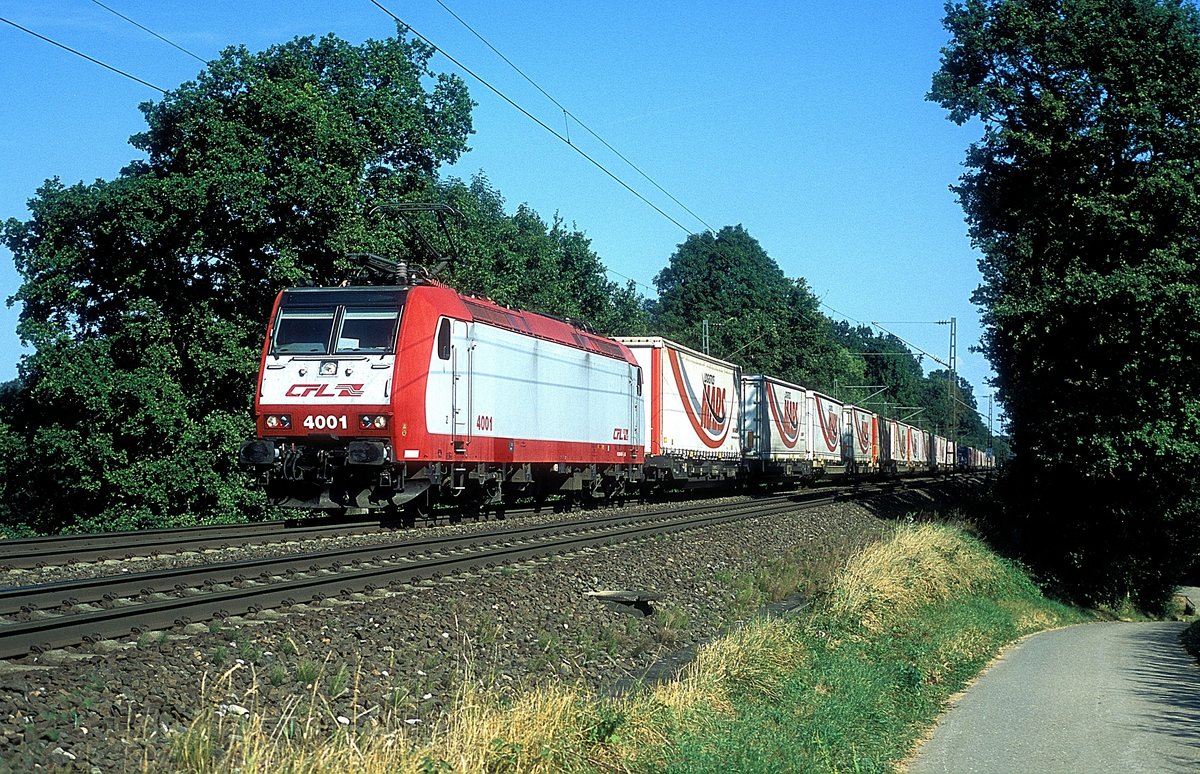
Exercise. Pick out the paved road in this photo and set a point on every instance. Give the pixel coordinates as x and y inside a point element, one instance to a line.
<point>1112,697</point>
<point>1192,593</point>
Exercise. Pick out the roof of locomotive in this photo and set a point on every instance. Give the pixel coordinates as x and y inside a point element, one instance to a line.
<point>482,310</point>
<point>327,296</point>
<point>541,326</point>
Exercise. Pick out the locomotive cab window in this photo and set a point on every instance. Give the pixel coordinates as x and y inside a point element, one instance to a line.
<point>303,330</point>
<point>340,330</point>
<point>367,330</point>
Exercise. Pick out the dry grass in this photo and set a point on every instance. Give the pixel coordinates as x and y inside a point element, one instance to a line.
<point>549,729</point>
<point>919,565</point>
<point>545,731</point>
<point>562,729</point>
<point>567,729</point>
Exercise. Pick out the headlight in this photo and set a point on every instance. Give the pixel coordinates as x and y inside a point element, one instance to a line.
<point>278,421</point>
<point>372,421</point>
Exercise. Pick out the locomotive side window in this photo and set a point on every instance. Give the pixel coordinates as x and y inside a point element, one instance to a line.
<point>367,330</point>
<point>303,330</point>
<point>443,340</point>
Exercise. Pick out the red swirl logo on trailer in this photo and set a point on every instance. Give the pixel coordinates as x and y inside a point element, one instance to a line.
<point>708,415</point>
<point>827,418</point>
<point>788,423</point>
<point>864,431</point>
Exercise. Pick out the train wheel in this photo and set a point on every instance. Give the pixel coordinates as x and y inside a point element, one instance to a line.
<point>414,512</point>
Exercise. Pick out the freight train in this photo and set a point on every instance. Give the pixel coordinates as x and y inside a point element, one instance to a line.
<point>396,398</point>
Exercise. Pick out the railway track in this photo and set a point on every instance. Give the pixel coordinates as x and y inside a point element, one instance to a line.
<point>24,553</point>
<point>53,615</point>
<point>57,550</point>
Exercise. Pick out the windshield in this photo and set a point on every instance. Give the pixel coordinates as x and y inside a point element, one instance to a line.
<point>367,330</point>
<point>310,330</point>
<point>304,330</point>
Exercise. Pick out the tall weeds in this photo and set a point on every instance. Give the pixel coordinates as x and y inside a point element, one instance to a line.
<point>845,685</point>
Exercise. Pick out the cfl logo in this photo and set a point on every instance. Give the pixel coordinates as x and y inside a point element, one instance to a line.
<point>324,391</point>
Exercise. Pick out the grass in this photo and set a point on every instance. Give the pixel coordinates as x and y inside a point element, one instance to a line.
<point>307,670</point>
<point>672,623</point>
<point>906,624</point>
<point>847,685</point>
<point>1191,638</point>
<point>802,573</point>
<point>277,674</point>
<point>339,680</point>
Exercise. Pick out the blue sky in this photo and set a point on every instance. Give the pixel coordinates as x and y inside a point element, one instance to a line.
<point>804,121</point>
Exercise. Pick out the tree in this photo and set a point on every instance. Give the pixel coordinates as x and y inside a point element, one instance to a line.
<point>898,380</point>
<point>887,362</point>
<point>757,316</point>
<point>521,261</point>
<point>145,296</point>
<point>1082,197</point>
<point>963,424</point>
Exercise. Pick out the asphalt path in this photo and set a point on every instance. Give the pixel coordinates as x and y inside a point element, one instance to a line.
<point>1111,697</point>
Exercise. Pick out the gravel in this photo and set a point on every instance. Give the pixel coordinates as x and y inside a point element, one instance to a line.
<point>399,656</point>
<point>284,546</point>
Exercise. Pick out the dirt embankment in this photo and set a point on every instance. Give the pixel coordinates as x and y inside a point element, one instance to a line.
<point>397,656</point>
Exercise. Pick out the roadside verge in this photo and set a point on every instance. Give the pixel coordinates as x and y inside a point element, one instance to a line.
<point>848,684</point>
<point>1191,639</point>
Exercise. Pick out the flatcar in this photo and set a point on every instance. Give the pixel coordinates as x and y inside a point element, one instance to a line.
<point>778,442</point>
<point>694,414</point>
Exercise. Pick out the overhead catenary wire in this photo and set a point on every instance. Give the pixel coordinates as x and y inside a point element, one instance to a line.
<point>498,53</point>
<point>91,59</point>
<point>910,345</point>
<point>904,341</point>
<point>532,117</point>
<point>631,279</point>
<point>564,138</point>
<point>171,43</point>
<point>567,113</point>
<point>841,314</point>
<point>200,59</point>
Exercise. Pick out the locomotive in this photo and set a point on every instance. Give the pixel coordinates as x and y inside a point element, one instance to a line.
<point>396,398</point>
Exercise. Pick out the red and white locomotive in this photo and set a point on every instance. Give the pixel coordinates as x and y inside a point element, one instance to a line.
<point>398,397</point>
<point>377,397</point>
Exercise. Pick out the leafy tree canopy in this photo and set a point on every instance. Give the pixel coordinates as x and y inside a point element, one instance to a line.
<point>900,388</point>
<point>145,297</point>
<point>524,262</point>
<point>770,324</point>
<point>757,316</point>
<point>1083,198</point>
